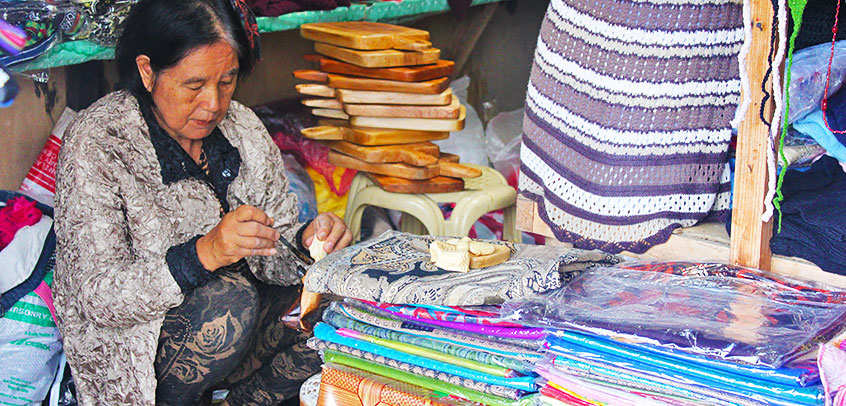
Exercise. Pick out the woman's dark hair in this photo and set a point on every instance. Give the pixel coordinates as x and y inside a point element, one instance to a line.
<point>168,30</point>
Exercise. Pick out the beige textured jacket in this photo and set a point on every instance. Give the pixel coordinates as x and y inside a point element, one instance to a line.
<point>115,221</point>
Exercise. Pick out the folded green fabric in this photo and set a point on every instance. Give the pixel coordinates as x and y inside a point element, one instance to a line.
<point>424,382</point>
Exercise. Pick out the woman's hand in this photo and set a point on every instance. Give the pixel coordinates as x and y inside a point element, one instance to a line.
<point>329,228</point>
<point>242,232</point>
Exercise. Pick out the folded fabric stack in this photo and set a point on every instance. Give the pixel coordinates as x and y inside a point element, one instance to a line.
<point>450,343</point>
<point>680,334</point>
<point>464,354</point>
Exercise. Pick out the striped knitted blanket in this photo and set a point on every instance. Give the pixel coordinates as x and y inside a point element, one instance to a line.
<point>627,128</point>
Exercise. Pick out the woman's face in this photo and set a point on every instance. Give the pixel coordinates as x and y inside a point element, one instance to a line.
<point>192,97</point>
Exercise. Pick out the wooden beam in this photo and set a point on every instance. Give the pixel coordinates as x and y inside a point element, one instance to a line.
<point>750,243</point>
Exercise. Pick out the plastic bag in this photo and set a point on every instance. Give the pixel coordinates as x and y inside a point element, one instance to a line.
<point>45,24</point>
<point>503,143</point>
<point>469,143</point>
<point>284,120</point>
<point>807,77</point>
<point>30,348</point>
<point>719,311</point>
<point>301,185</point>
<point>40,181</point>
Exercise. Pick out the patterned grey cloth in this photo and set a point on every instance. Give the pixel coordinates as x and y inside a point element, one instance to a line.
<point>395,268</point>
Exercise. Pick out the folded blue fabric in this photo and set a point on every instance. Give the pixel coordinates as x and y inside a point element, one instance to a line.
<point>812,125</point>
<point>326,332</point>
<point>586,347</point>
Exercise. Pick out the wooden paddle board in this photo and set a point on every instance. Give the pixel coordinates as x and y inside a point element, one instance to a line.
<point>419,73</point>
<point>372,136</point>
<point>450,111</point>
<point>335,81</point>
<point>374,97</point>
<point>367,35</point>
<point>323,103</point>
<point>404,171</point>
<point>457,170</point>
<point>425,124</point>
<point>438,184</point>
<point>385,58</point>
<point>421,154</point>
<point>330,113</point>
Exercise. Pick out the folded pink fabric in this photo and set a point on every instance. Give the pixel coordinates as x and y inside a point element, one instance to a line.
<point>15,215</point>
<point>832,364</point>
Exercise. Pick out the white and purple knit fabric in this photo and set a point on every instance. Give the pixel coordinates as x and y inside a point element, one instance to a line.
<point>627,130</point>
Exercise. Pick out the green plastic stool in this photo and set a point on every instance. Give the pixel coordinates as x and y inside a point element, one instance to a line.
<point>421,213</point>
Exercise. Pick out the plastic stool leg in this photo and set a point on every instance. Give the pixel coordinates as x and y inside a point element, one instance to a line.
<point>509,224</point>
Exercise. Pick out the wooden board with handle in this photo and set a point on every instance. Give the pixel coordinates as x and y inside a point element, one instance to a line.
<point>420,154</point>
<point>367,35</point>
<point>456,170</point>
<point>375,97</point>
<point>426,124</point>
<point>330,113</point>
<point>371,136</point>
<point>450,111</point>
<point>438,184</point>
<point>404,171</point>
<point>336,81</point>
<point>385,58</point>
<point>418,73</point>
<point>323,103</point>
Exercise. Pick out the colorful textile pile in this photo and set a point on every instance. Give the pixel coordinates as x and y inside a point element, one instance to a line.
<point>627,123</point>
<point>460,354</point>
<point>681,334</point>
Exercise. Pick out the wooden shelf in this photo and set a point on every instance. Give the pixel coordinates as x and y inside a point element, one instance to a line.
<point>703,242</point>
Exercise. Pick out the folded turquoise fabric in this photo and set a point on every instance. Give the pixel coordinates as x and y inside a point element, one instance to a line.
<point>326,332</point>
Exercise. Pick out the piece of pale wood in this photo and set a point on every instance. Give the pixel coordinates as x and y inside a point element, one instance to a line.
<point>366,35</point>
<point>706,242</point>
<point>330,113</point>
<point>323,103</point>
<point>426,124</point>
<point>375,97</point>
<point>438,184</point>
<point>385,58</point>
<point>751,245</point>
<point>501,254</point>
<point>370,136</point>
<point>450,111</point>
<point>404,171</point>
<point>419,73</point>
<point>335,81</point>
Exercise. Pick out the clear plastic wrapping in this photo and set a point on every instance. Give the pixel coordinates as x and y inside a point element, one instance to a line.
<point>808,74</point>
<point>719,311</point>
<point>44,23</point>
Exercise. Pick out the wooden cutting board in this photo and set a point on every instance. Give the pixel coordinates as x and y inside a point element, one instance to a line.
<point>450,111</point>
<point>374,97</point>
<point>501,254</point>
<point>402,73</point>
<point>323,103</point>
<point>335,81</point>
<point>404,171</point>
<point>455,170</point>
<point>330,113</point>
<point>385,58</point>
<point>372,136</point>
<point>367,35</point>
<point>420,154</point>
<point>425,124</point>
<point>438,184</point>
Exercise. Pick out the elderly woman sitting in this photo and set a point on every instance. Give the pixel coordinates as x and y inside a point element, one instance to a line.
<point>170,201</point>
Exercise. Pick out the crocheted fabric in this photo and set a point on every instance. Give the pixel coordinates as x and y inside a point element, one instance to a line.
<point>626,131</point>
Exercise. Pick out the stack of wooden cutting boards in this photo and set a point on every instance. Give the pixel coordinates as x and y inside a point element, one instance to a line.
<point>383,95</point>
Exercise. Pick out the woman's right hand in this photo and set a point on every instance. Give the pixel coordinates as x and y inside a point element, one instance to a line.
<point>242,232</point>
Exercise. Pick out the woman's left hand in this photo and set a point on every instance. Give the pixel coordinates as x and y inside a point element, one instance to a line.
<point>330,229</point>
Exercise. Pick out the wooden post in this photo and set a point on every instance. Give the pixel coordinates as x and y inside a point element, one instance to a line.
<point>750,237</point>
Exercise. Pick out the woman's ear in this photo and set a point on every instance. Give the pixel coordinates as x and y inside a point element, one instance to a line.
<point>146,71</point>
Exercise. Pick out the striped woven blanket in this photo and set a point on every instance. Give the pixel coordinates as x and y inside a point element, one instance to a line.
<point>627,128</point>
